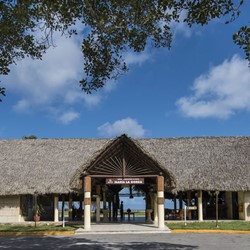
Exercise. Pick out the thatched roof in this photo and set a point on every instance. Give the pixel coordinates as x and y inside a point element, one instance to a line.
<point>43,165</point>
<point>206,163</point>
<point>55,165</point>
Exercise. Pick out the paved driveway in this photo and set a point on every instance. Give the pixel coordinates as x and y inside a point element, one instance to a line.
<point>130,241</point>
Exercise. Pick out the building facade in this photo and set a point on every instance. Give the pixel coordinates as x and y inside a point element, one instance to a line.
<point>209,175</point>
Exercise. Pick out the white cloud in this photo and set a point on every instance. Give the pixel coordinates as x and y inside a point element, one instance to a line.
<point>136,58</point>
<point>43,81</point>
<point>181,28</point>
<point>178,28</point>
<point>22,106</point>
<point>224,90</point>
<point>77,95</point>
<point>68,117</point>
<point>127,126</point>
<point>53,82</point>
<point>110,86</point>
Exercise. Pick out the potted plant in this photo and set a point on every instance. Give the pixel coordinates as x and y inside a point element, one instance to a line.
<point>37,209</point>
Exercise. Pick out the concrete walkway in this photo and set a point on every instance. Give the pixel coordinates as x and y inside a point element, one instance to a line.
<point>122,228</point>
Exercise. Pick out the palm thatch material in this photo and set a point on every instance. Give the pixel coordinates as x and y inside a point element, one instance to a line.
<point>204,163</point>
<point>56,165</point>
<point>44,165</point>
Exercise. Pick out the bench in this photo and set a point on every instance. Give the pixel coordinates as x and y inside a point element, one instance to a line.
<point>128,214</point>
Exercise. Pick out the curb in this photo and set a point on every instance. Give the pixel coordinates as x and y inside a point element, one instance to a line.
<point>131,232</point>
<point>210,231</point>
<point>37,233</point>
<point>123,232</point>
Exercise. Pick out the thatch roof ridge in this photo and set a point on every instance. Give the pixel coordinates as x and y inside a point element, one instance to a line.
<point>56,139</point>
<point>192,137</point>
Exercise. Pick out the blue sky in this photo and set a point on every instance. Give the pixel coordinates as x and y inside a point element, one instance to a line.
<point>200,87</point>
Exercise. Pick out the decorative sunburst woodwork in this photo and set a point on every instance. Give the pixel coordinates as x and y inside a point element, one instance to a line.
<point>123,158</point>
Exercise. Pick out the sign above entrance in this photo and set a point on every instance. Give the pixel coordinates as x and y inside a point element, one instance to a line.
<point>117,181</point>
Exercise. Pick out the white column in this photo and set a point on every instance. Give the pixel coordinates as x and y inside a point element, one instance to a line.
<point>56,208</point>
<point>244,205</point>
<point>200,210</point>
<point>98,203</point>
<point>87,202</point>
<point>161,201</point>
<point>247,205</point>
<point>20,209</point>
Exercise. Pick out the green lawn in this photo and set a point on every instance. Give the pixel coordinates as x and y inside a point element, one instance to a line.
<point>236,225</point>
<point>38,228</point>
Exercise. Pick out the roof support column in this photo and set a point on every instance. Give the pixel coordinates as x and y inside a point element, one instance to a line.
<point>155,210</point>
<point>87,202</point>
<point>56,208</point>
<point>200,210</point>
<point>161,201</point>
<point>244,205</point>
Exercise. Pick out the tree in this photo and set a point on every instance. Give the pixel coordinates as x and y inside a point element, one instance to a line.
<point>26,137</point>
<point>2,92</point>
<point>242,38</point>
<point>111,28</point>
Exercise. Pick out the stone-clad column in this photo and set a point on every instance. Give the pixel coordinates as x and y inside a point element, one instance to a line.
<point>55,207</point>
<point>244,205</point>
<point>247,206</point>
<point>161,201</point>
<point>87,202</point>
<point>200,209</point>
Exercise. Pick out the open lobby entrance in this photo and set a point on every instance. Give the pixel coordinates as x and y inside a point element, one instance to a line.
<point>124,165</point>
<point>109,201</point>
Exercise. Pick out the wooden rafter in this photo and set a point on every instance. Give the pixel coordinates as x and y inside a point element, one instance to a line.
<point>123,158</point>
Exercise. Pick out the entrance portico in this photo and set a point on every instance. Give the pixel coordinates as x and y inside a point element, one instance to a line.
<point>121,164</point>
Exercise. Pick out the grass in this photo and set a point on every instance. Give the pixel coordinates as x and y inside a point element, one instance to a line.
<point>139,213</point>
<point>41,227</point>
<point>38,228</point>
<point>236,225</point>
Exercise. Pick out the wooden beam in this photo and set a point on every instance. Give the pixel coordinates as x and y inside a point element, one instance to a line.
<point>118,176</point>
